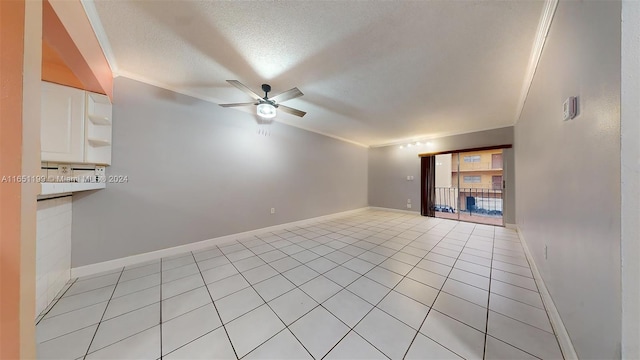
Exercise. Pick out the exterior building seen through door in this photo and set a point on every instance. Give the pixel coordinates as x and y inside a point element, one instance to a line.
<point>469,186</point>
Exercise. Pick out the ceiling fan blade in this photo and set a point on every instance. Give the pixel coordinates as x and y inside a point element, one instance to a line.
<point>293,111</point>
<point>287,95</point>
<point>242,87</point>
<point>237,104</point>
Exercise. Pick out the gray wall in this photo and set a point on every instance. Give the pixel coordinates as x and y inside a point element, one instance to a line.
<point>390,165</point>
<point>198,171</point>
<point>568,173</point>
<point>630,174</point>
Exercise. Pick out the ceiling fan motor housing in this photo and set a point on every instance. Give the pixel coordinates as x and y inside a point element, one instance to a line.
<point>266,88</point>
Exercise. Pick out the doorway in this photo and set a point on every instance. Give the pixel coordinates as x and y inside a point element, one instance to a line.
<point>469,186</point>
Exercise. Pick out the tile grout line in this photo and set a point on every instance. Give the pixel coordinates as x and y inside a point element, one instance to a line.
<point>545,307</point>
<point>375,306</point>
<point>521,302</point>
<point>355,240</point>
<point>522,322</point>
<point>103,313</point>
<point>452,267</point>
<point>56,302</point>
<point>215,308</point>
<point>70,332</point>
<point>298,287</point>
<point>488,311</point>
<point>123,339</point>
<point>513,346</point>
<point>351,328</point>
<point>486,325</point>
<point>83,292</point>
<point>286,327</point>
<point>436,297</point>
<point>514,285</point>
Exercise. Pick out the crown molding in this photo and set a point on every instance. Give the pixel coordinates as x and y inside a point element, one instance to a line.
<point>425,138</point>
<point>544,25</point>
<point>546,18</point>
<point>92,14</point>
<point>179,90</point>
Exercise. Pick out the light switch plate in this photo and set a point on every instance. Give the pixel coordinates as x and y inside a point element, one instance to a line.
<point>570,108</point>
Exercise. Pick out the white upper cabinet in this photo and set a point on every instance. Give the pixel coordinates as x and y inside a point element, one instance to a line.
<point>76,125</point>
<point>62,123</point>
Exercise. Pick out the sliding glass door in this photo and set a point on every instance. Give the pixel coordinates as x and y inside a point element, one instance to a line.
<point>447,194</point>
<point>469,186</point>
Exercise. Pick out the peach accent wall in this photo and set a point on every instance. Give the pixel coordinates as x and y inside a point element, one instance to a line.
<point>56,71</point>
<point>31,91</point>
<point>67,30</point>
<point>57,42</point>
<point>12,16</point>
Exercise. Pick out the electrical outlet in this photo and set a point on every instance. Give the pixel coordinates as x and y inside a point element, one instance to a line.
<point>408,201</point>
<point>64,170</point>
<point>273,210</point>
<point>100,174</point>
<point>546,252</point>
<point>408,206</point>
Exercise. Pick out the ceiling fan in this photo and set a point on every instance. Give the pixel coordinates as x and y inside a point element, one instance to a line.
<point>266,107</point>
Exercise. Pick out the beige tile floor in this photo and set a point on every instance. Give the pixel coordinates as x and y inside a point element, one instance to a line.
<point>371,285</point>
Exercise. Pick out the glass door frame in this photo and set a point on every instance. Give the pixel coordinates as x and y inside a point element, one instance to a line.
<point>504,194</point>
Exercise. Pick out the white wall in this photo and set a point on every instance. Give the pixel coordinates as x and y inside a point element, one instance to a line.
<point>630,129</point>
<point>568,173</point>
<point>197,171</point>
<point>53,249</point>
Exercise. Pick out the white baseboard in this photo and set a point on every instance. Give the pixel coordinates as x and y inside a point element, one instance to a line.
<point>414,212</point>
<point>176,250</point>
<point>566,345</point>
<point>511,226</point>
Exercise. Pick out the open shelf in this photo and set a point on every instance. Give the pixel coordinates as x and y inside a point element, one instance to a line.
<point>99,120</point>
<point>98,142</point>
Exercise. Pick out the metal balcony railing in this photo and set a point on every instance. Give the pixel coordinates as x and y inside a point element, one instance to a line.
<point>493,186</point>
<point>477,201</point>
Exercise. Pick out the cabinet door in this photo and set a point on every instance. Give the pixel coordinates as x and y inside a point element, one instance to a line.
<point>62,123</point>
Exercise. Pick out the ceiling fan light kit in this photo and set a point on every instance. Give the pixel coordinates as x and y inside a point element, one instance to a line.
<point>266,111</point>
<point>266,107</point>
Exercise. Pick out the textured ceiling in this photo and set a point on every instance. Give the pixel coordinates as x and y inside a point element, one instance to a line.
<point>371,72</point>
